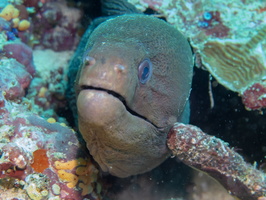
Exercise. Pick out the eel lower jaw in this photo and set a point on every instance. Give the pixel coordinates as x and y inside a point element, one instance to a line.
<point>121,99</point>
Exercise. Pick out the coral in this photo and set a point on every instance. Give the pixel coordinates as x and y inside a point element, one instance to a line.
<point>9,12</point>
<point>86,188</point>
<point>51,120</point>
<point>37,186</point>
<point>213,156</point>
<point>255,96</point>
<point>35,145</point>
<point>211,21</point>
<point>32,3</point>
<point>14,78</point>
<point>4,25</point>
<point>14,161</point>
<point>16,155</point>
<point>15,14</point>
<point>56,26</point>
<point>84,173</point>
<point>23,25</point>
<point>70,178</point>
<point>47,89</point>
<point>221,37</point>
<point>16,74</point>
<point>29,144</point>
<point>69,165</point>
<point>22,53</point>
<point>235,64</point>
<point>32,144</point>
<point>23,12</point>
<point>12,188</point>
<point>42,92</point>
<point>40,160</point>
<point>15,22</point>
<point>87,176</point>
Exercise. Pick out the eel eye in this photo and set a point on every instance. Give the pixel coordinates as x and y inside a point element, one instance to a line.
<point>145,71</point>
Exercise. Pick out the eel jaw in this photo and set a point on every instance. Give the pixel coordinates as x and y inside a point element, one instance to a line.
<point>121,141</point>
<point>120,98</point>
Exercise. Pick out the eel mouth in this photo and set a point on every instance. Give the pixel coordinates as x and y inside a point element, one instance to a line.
<point>120,98</point>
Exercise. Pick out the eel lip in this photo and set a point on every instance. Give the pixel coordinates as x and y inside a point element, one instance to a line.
<point>115,94</point>
<point>120,98</point>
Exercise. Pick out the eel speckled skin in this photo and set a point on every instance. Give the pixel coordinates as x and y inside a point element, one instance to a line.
<point>123,119</point>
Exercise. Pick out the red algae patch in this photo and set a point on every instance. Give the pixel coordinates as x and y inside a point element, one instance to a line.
<point>40,160</point>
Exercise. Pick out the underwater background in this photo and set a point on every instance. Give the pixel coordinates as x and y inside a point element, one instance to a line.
<point>42,153</point>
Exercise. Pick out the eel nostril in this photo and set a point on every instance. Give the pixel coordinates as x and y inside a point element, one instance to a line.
<point>119,68</point>
<point>89,61</point>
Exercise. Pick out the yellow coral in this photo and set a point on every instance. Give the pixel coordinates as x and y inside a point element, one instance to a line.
<point>85,179</point>
<point>82,170</point>
<point>15,13</point>
<point>51,120</point>
<point>23,25</point>
<point>85,173</point>
<point>88,173</point>
<point>15,22</point>
<point>72,179</point>
<point>42,92</point>
<point>63,124</point>
<point>9,12</point>
<point>12,13</point>
<point>70,164</point>
<point>86,188</point>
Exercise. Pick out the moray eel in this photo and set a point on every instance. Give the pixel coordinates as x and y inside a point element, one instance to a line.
<point>133,86</point>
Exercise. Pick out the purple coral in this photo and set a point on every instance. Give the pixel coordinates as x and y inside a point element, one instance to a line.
<point>22,53</point>
<point>254,98</point>
<point>56,25</point>
<point>14,79</point>
<point>15,163</point>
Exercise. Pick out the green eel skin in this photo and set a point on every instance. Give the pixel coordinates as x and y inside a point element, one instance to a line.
<point>123,118</point>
